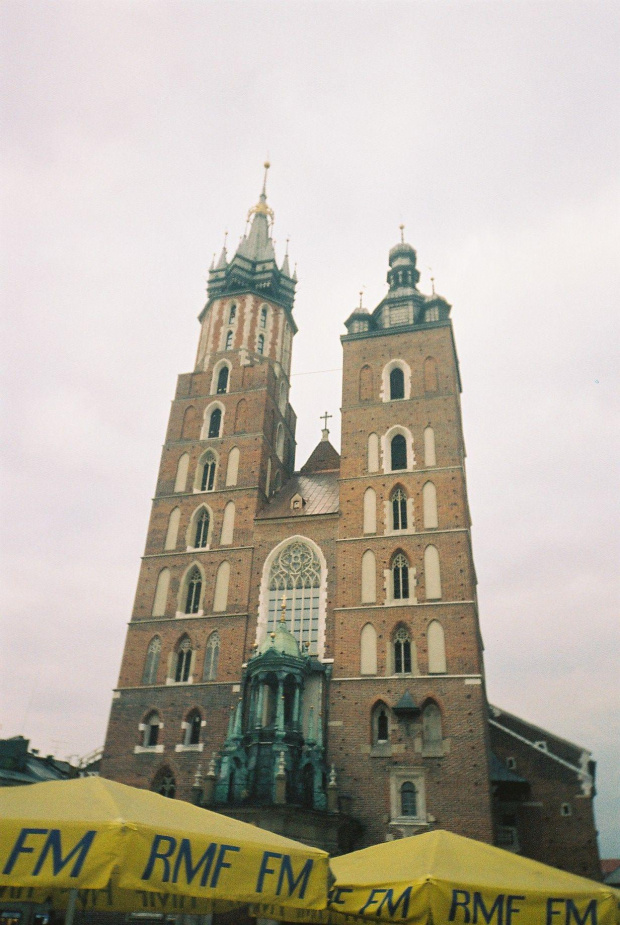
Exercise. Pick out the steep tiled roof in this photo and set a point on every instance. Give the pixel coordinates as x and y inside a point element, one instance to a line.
<point>319,492</point>
<point>324,458</point>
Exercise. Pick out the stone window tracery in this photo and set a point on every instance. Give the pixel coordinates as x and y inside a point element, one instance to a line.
<point>151,663</point>
<point>295,574</point>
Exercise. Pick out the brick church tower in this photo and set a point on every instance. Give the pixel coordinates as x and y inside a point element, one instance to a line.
<point>304,650</point>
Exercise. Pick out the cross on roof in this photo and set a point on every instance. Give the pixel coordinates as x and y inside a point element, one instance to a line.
<point>324,418</point>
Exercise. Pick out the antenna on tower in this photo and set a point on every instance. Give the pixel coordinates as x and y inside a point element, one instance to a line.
<point>432,279</point>
<point>402,234</point>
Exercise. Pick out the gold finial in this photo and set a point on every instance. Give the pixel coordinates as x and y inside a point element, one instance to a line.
<point>432,280</point>
<point>261,207</point>
<point>402,234</point>
<point>361,295</point>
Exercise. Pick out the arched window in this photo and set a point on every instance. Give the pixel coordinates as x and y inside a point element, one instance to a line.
<point>232,467</point>
<point>402,651</point>
<point>194,590</point>
<point>370,511</point>
<point>263,317</point>
<point>229,340</point>
<point>429,505</point>
<point>295,575</point>
<point>207,479</point>
<point>161,593</point>
<point>241,416</point>
<point>228,525</point>
<point>173,529</point>
<point>431,379</point>
<point>212,657</point>
<point>260,346</point>
<point>429,447</point>
<point>398,450</point>
<point>188,430</point>
<point>201,534</point>
<point>164,783</point>
<point>399,509</point>
<point>151,662</point>
<point>280,442</point>
<point>151,727</point>
<point>215,422</point>
<point>232,314</point>
<point>220,596</point>
<point>193,725</point>
<point>366,384</point>
<point>397,383</point>
<point>436,648</point>
<point>400,577</point>
<point>181,476</point>
<point>432,574</point>
<point>380,724</point>
<point>373,453</point>
<point>222,381</point>
<point>369,578</point>
<point>368,650</point>
<point>408,799</point>
<point>432,737</point>
<point>183,661</point>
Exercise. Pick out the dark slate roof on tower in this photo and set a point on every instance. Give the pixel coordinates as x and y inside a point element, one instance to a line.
<point>318,494</point>
<point>324,458</point>
<point>253,267</point>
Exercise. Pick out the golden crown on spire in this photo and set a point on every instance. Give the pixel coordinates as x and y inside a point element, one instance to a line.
<point>261,207</point>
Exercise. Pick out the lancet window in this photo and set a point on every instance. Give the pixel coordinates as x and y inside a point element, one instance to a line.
<point>295,580</point>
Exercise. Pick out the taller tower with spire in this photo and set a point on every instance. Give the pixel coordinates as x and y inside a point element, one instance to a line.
<point>229,446</point>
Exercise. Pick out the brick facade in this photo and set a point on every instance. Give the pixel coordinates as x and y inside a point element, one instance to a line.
<point>376,722</point>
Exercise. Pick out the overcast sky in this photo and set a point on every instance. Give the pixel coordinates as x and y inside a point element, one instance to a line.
<point>134,136</point>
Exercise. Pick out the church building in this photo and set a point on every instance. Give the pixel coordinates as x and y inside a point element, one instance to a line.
<point>304,650</point>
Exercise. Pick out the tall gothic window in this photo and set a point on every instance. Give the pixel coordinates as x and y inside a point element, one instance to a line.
<point>400,574</point>
<point>208,473</point>
<point>222,381</point>
<point>397,383</point>
<point>232,314</point>
<point>261,343</point>
<point>194,588</point>
<point>398,449</point>
<point>202,531</point>
<point>151,663</point>
<point>229,340</point>
<point>215,422</point>
<point>380,725</point>
<point>408,800</point>
<point>263,317</point>
<point>295,575</point>
<point>212,656</point>
<point>399,510</point>
<point>402,652</point>
<point>184,661</point>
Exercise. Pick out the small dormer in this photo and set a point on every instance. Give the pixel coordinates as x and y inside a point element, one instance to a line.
<point>297,502</point>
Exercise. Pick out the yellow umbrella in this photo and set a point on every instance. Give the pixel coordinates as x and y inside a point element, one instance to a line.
<point>94,834</point>
<point>440,877</point>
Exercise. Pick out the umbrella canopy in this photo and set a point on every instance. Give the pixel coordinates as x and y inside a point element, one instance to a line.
<point>442,878</point>
<point>90,832</point>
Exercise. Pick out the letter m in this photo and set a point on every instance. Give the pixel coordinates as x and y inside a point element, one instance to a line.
<point>53,844</point>
<point>590,913</point>
<point>302,879</point>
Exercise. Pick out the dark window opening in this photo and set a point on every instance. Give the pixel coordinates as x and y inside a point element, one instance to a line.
<point>399,509</point>
<point>194,587</point>
<point>222,380</point>
<point>202,530</point>
<point>215,422</point>
<point>408,800</point>
<point>399,452</point>
<point>397,383</point>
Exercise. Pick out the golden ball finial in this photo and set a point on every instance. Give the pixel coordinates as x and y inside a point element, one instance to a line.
<point>266,165</point>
